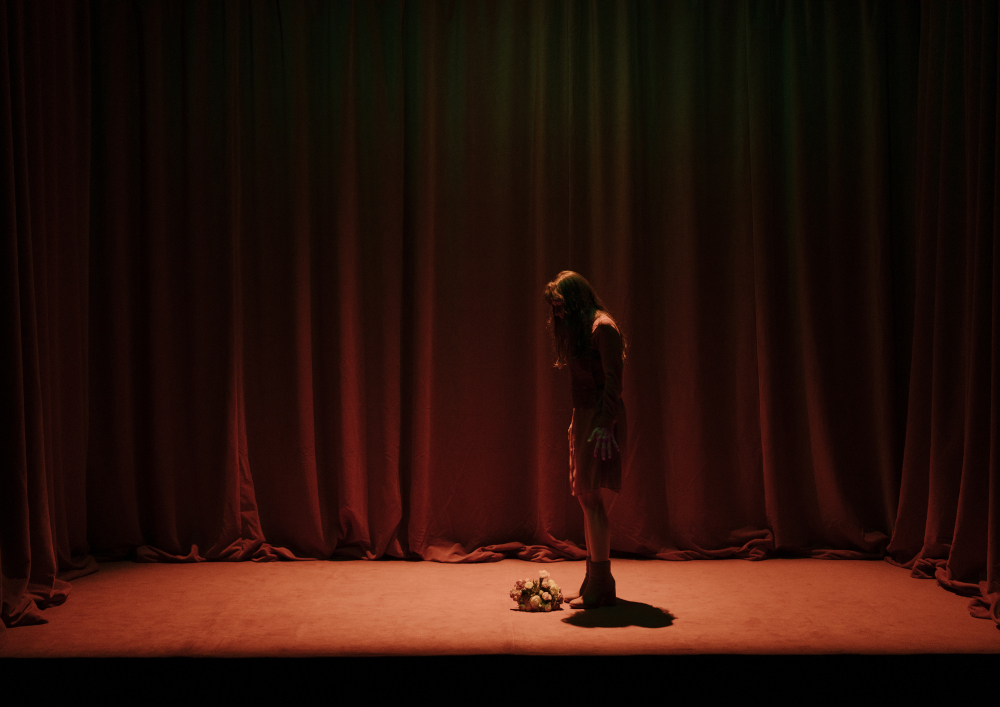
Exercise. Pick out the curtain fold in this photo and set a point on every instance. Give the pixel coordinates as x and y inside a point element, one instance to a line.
<point>44,129</point>
<point>947,525</point>
<point>273,274</point>
<point>820,189</point>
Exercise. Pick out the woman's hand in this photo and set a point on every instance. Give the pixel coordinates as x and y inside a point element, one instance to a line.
<point>605,438</point>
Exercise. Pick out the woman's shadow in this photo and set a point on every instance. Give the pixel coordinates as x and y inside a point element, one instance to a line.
<point>624,613</point>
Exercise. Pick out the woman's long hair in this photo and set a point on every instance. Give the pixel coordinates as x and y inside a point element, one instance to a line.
<point>580,304</point>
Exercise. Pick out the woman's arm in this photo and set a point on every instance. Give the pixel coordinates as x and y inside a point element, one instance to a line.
<point>609,344</point>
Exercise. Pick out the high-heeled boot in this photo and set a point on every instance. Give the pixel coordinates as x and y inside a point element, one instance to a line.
<point>600,589</point>
<point>567,598</point>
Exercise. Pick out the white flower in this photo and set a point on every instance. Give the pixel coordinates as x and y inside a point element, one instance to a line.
<point>546,596</point>
<point>543,573</point>
<point>548,607</point>
<point>546,583</point>
<point>553,587</point>
<point>535,601</point>
<point>529,585</point>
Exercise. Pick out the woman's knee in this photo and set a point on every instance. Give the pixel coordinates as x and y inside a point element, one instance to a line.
<point>590,500</point>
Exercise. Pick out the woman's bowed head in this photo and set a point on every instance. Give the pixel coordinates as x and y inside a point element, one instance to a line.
<point>574,304</point>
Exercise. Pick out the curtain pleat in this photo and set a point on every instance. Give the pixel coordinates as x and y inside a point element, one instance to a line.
<point>947,526</point>
<point>44,129</point>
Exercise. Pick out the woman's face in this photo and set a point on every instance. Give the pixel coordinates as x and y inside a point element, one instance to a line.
<point>558,310</point>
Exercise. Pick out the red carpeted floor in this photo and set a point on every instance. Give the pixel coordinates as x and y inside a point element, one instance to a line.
<point>394,608</point>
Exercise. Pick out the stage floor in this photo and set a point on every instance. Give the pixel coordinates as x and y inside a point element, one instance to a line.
<point>395,608</point>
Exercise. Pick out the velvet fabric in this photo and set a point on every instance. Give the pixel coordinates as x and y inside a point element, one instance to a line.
<point>272,281</point>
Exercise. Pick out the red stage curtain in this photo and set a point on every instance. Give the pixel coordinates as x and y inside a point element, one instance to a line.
<point>44,211</point>
<point>274,277</point>
<point>948,524</point>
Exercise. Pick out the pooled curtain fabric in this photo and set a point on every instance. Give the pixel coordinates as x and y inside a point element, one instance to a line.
<point>948,524</point>
<point>273,273</point>
<point>44,173</point>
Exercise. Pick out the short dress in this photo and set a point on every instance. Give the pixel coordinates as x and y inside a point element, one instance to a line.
<point>597,402</point>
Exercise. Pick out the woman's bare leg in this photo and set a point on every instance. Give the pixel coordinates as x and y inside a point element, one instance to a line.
<point>586,529</point>
<point>595,519</point>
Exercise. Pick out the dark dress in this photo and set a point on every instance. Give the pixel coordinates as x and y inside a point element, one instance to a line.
<point>597,402</point>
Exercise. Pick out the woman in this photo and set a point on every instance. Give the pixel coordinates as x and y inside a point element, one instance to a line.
<point>588,340</point>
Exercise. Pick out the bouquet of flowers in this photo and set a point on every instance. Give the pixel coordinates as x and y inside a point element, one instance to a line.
<point>540,594</point>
